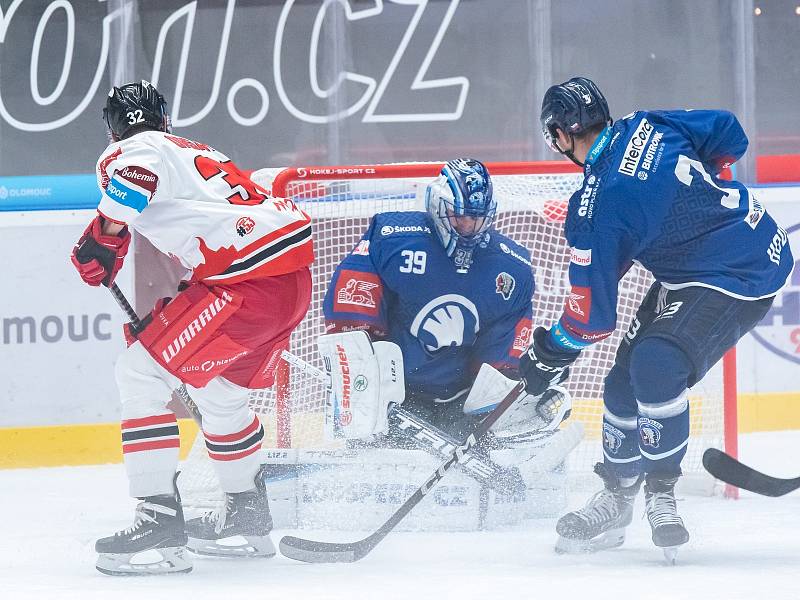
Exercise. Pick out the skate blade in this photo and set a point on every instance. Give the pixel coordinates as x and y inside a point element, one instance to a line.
<point>613,538</point>
<point>236,546</point>
<point>671,555</point>
<point>156,561</point>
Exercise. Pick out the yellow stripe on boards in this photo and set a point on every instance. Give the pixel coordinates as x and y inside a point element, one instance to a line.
<point>64,445</point>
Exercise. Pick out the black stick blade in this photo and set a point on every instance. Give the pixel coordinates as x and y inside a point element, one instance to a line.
<point>731,471</point>
<point>318,552</point>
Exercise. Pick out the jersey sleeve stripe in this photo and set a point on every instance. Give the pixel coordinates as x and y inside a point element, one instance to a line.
<point>126,193</point>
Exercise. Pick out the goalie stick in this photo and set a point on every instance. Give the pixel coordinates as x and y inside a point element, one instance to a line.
<point>728,469</point>
<point>327,552</point>
<point>432,440</point>
<point>136,326</point>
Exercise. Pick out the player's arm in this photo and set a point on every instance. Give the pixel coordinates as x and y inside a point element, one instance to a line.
<point>128,181</point>
<point>716,135</point>
<point>598,260</point>
<point>355,298</point>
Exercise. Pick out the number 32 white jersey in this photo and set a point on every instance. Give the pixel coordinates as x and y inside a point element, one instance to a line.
<point>194,204</point>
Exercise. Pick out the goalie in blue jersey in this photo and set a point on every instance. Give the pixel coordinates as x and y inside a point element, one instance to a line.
<point>652,194</point>
<point>452,292</point>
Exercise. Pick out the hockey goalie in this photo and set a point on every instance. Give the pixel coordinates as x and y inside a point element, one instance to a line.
<point>426,320</point>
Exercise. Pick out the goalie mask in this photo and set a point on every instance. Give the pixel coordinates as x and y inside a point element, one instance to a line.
<point>135,106</point>
<point>462,207</point>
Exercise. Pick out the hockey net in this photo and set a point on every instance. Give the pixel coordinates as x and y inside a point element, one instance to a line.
<point>532,199</point>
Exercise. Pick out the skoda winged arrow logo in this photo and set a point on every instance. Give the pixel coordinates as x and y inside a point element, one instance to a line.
<point>449,320</point>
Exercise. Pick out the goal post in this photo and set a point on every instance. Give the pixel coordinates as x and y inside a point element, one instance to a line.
<point>532,200</point>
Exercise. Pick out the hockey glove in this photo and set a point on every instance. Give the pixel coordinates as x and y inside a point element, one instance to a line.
<point>541,367</point>
<point>98,257</point>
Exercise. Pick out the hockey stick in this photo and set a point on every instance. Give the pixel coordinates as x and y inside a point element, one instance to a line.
<point>433,440</point>
<point>136,326</point>
<point>728,469</point>
<point>327,552</point>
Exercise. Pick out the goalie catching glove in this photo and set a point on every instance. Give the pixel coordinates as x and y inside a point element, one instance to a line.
<point>529,413</point>
<point>366,378</point>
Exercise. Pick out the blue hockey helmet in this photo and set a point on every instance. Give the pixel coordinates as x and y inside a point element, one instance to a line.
<point>461,204</point>
<point>135,105</point>
<point>573,107</point>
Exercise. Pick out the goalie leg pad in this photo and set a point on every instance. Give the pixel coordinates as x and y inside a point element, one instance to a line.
<point>365,379</point>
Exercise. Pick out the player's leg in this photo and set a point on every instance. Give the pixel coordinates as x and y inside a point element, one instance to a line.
<point>233,436</point>
<point>691,331</point>
<point>660,374</point>
<point>601,523</point>
<point>252,336</point>
<point>150,446</point>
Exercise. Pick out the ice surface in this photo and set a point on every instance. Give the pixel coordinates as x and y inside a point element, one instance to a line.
<point>49,519</point>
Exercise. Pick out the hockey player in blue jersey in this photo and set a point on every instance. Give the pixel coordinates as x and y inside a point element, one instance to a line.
<point>651,193</point>
<point>445,286</point>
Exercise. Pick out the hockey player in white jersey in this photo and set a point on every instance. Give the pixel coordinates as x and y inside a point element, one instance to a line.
<point>247,286</point>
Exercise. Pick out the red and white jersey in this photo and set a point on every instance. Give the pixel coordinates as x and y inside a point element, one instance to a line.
<point>194,204</point>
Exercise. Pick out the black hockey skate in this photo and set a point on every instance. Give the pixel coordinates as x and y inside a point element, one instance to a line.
<point>600,524</point>
<point>153,545</point>
<point>669,531</point>
<point>239,528</point>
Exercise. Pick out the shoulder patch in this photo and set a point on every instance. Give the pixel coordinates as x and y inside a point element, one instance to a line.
<point>505,284</point>
<point>140,177</point>
<point>104,178</point>
<point>132,186</point>
<point>362,248</point>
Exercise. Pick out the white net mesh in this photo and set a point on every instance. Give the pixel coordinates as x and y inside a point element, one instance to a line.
<point>531,210</point>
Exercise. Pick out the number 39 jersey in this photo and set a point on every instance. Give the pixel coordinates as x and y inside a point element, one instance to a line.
<point>194,204</point>
<point>399,284</point>
<point>652,194</point>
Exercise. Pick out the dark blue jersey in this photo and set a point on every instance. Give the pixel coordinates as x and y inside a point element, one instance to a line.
<point>652,194</point>
<point>399,284</point>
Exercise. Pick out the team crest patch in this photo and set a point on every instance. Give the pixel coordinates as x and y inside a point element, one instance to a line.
<point>650,432</point>
<point>612,438</point>
<point>504,285</point>
<point>244,226</point>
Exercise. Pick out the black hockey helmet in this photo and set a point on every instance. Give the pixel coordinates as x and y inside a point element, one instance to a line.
<point>573,107</point>
<point>135,105</point>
